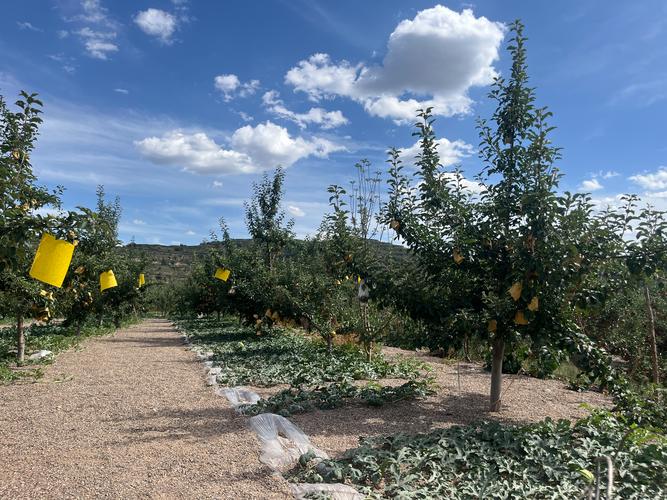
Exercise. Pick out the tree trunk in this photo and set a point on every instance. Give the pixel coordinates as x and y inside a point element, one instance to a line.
<point>497,372</point>
<point>218,315</point>
<point>20,339</point>
<point>466,348</point>
<point>651,335</point>
<point>78,329</point>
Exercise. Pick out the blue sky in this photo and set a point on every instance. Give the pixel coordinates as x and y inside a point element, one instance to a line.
<point>177,106</point>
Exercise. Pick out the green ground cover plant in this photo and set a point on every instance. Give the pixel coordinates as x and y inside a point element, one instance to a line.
<point>284,356</point>
<point>550,459</point>
<point>318,378</point>
<point>325,397</point>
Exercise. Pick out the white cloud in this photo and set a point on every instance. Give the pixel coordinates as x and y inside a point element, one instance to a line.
<point>251,149</point>
<point>295,211</point>
<point>98,43</point>
<point>231,86</point>
<point>431,60</point>
<point>590,185</point>
<point>122,91</point>
<point>190,232</point>
<point>245,116</point>
<point>609,174</point>
<point>607,202</point>
<point>451,152</point>
<point>67,62</point>
<point>98,30</point>
<point>25,25</point>
<point>467,185</point>
<point>93,12</point>
<point>138,222</point>
<point>323,118</point>
<point>157,23</point>
<point>216,184</point>
<point>651,181</point>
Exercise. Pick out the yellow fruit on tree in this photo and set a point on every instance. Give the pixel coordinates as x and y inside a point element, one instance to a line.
<point>515,290</point>
<point>534,304</point>
<point>520,319</point>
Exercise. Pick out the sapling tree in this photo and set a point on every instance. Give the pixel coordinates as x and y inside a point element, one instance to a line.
<point>645,254</point>
<point>265,219</point>
<point>23,204</point>
<point>97,232</point>
<point>348,237</point>
<point>498,252</point>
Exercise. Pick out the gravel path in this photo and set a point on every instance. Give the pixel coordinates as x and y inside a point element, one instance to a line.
<point>128,416</point>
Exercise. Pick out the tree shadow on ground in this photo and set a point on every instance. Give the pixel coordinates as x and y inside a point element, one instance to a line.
<point>176,424</point>
<point>146,341</point>
<point>407,417</point>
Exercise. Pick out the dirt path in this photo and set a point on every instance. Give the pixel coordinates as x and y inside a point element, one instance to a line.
<point>128,416</point>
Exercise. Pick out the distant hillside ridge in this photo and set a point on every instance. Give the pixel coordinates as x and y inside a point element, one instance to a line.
<point>172,263</point>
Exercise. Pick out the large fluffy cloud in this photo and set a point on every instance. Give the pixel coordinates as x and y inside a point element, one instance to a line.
<point>431,60</point>
<point>250,149</point>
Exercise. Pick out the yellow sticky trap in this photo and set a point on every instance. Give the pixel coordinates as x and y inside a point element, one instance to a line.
<point>458,258</point>
<point>358,280</point>
<point>107,280</point>
<point>492,326</point>
<point>142,280</point>
<point>222,274</point>
<point>534,304</point>
<point>515,290</point>
<point>520,319</point>
<point>52,260</point>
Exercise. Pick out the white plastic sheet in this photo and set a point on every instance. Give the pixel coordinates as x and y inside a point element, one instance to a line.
<point>334,491</point>
<point>239,396</point>
<point>40,355</point>
<point>214,370</point>
<point>282,442</point>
